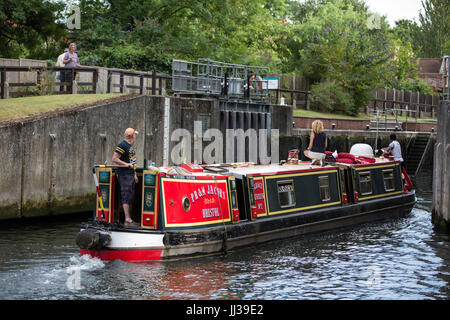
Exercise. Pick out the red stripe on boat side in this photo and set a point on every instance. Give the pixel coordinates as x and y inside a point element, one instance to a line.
<point>124,255</point>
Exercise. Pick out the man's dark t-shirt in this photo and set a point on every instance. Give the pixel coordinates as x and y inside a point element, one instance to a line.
<point>128,155</point>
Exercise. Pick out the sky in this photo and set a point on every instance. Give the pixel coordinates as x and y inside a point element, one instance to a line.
<point>396,9</point>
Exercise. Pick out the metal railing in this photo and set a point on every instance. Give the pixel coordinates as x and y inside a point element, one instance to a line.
<point>219,78</point>
<point>388,119</point>
<point>67,78</point>
<point>294,96</point>
<point>157,81</point>
<point>404,107</point>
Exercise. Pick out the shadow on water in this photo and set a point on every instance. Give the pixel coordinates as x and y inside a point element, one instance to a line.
<point>395,259</point>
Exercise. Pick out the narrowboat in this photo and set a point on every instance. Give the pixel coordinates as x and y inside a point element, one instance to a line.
<point>196,210</point>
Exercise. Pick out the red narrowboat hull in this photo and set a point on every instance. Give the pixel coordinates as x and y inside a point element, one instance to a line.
<point>124,255</point>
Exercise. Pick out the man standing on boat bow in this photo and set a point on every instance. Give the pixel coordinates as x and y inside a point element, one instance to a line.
<point>124,155</point>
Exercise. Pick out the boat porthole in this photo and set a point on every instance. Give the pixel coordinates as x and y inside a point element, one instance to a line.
<point>186,204</point>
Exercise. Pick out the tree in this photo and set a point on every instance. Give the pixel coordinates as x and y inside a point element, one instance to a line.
<point>407,31</point>
<point>334,43</point>
<point>403,69</point>
<point>31,29</point>
<point>149,34</point>
<point>435,28</point>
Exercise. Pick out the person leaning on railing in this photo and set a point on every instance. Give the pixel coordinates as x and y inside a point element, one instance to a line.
<point>70,61</point>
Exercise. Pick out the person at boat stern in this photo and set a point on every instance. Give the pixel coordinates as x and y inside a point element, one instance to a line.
<point>317,144</point>
<point>124,155</point>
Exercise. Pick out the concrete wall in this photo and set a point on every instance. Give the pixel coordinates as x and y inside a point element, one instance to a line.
<point>357,124</point>
<point>441,172</point>
<point>46,162</point>
<point>344,124</point>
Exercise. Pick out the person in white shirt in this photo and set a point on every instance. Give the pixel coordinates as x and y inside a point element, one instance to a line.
<point>395,149</point>
<point>60,75</point>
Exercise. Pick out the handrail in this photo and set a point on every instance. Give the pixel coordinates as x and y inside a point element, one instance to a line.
<point>70,82</point>
<point>424,155</point>
<point>376,115</point>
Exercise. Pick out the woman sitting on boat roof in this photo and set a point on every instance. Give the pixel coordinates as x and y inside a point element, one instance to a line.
<point>317,144</point>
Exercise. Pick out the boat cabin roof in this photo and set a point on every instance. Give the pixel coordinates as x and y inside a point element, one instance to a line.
<point>301,166</point>
<point>245,169</point>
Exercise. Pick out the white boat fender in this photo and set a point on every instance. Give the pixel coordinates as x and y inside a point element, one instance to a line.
<point>92,239</point>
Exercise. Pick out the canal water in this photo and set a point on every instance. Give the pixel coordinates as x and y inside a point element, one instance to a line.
<point>397,259</point>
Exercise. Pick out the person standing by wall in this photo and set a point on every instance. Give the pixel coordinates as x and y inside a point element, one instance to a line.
<point>124,155</point>
<point>317,144</point>
<point>61,75</point>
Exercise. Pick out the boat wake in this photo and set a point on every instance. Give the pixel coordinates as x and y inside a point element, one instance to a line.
<point>85,263</point>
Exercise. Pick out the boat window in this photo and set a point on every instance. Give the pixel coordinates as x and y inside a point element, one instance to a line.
<point>233,195</point>
<point>186,203</point>
<point>286,193</point>
<point>251,191</point>
<point>365,183</point>
<point>324,187</point>
<point>388,177</point>
<point>233,200</point>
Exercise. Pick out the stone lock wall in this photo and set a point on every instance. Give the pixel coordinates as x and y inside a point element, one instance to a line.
<point>441,170</point>
<point>47,161</point>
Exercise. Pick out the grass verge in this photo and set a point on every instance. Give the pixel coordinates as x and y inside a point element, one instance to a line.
<point>315,114</point>
<point>20,107</point>
<point>361,116</point>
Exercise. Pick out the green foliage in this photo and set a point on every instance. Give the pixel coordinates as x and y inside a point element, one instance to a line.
<point>430,38</point>
<point>332,98</point>
<point>30,29</point>
<point>403,70</point>
<point>407,31</point>
<point>149,34</point>
<point>340,47</point>
<point>434,28</point>
<point>328,40</point>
